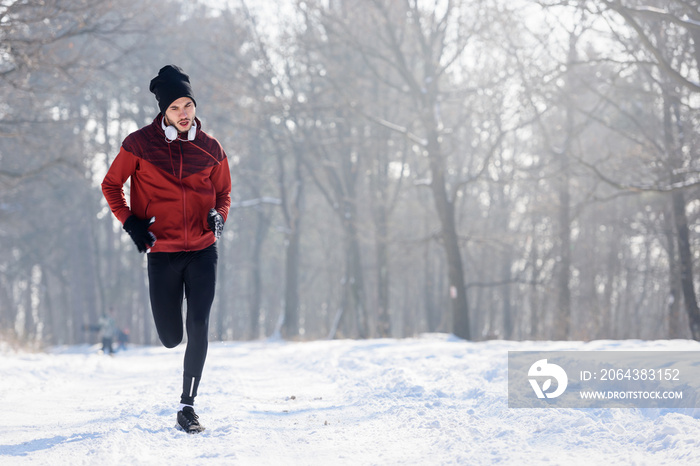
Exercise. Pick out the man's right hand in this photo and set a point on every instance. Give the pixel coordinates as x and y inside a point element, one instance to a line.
<point>138,230</point>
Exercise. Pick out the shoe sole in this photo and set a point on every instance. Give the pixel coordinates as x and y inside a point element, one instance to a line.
<point>191,430</point>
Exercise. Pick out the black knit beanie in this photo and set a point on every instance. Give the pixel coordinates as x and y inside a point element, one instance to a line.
<point>171,84</point>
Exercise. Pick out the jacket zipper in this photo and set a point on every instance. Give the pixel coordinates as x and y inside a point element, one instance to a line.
<point>184,200</point>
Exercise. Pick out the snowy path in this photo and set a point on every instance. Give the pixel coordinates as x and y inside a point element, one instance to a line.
<point>432,400</point>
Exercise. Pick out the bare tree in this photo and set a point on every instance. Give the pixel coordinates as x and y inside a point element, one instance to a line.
<point>412,50</point>
<point>672,56</point>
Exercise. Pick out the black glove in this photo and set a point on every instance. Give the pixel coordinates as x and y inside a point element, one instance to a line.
<point>138,230</point>
<point>216,222</point>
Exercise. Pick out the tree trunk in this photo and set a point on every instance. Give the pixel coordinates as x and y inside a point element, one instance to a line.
<point>431,274</point>
<point>678,204</point>
<point>261,230</point>
<point>534,301</point>
<point>355,276</point>
<point>686,263</point>
<point>383,319</point>
<point>563,311</point>
<point>507,276</point>
<point>222,288</point>
<point>292,210</point>
<point>290,327</point>
<point>562,327</point>
<point>450,241</point>
<point>675,329</point>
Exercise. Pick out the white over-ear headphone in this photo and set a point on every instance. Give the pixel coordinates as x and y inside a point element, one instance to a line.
<point>171,131</point>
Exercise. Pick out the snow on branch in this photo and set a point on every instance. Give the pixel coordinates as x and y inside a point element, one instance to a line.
<point>255,202</point>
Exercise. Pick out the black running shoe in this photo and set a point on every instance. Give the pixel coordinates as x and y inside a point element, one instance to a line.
<point>189,421</point>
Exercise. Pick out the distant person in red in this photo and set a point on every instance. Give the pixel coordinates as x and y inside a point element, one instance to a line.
<point>122,338</point>
<point>179,201</point>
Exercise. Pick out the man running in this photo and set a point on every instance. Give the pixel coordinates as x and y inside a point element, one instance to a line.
<point>179,201</point>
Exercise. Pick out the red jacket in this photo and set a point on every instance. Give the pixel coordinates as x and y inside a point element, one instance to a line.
<point>177,183</point>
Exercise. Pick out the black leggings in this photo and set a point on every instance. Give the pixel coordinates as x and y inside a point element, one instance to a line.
<point>169,274</point>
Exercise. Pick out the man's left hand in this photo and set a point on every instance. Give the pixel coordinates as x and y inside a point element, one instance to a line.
<point>216,222</point>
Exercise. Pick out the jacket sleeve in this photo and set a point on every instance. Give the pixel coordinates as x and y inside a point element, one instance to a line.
<point>221,178</point>
<point>124,165</point>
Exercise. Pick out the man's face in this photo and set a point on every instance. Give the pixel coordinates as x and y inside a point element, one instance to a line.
<point>180,114</point>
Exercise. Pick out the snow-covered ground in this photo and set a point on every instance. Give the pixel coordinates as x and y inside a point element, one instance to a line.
<point>429,400</point>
